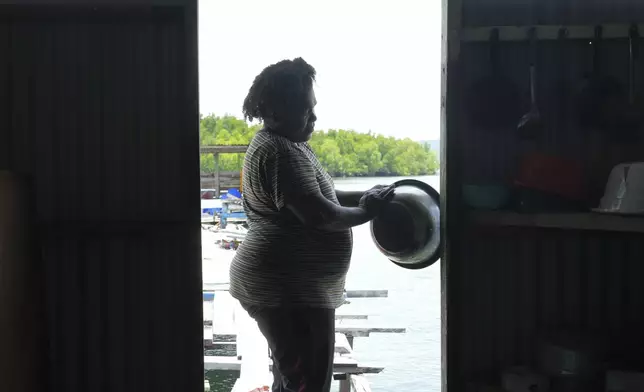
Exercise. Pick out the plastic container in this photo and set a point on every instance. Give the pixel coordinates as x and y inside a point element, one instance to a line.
<point>624,192</point>
<point>553,175</point>
<point>486,197</point>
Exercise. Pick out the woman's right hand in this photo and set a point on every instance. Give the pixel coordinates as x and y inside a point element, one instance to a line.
<point>376,198</point>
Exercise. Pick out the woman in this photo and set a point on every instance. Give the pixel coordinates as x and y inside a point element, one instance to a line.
<point>289,272</point>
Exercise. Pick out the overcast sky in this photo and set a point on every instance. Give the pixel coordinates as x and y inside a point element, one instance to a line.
<point>378,62</point>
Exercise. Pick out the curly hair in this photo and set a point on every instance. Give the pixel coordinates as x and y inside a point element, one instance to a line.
<point>277,88</point>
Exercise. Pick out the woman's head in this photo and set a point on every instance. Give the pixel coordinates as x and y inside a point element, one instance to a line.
<point>282,97</point>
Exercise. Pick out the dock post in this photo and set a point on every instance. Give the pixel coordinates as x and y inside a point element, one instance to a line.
<point>345,383</point>
<point>223,218</point>
<point>215,157</point>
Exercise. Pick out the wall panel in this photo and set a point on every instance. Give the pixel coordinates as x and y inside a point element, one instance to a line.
<point>523,284</point>
<point>101,112</point>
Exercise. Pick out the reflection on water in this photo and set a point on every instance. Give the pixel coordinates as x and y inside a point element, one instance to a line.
<point>221,380</point>
<point>411,360</point>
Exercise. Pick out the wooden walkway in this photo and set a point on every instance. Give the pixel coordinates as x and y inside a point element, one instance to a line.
<point>227,326</point>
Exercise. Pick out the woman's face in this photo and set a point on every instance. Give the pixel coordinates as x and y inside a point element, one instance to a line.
<point>299,122</point>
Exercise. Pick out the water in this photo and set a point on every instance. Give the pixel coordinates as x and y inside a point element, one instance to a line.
<point>411,360</point>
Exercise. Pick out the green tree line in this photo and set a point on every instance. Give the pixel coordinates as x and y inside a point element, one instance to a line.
<point>344,153</point>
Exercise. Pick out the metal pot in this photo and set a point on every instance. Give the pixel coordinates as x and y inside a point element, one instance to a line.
<point>408,229</point>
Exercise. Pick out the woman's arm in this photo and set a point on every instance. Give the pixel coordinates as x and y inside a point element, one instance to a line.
<point>292,183</point>
<point>348,198</point>
<point>315,210</point>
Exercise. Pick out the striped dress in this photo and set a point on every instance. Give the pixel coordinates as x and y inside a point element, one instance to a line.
<point>281,262</point>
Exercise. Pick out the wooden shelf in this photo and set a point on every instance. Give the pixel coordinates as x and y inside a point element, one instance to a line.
<point>550,32</point>
<point>566,221</point>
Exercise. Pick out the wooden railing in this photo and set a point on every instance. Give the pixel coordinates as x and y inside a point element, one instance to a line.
<point>221,180</point>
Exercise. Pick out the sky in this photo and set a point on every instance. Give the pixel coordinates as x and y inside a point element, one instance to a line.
<point>377,62</point>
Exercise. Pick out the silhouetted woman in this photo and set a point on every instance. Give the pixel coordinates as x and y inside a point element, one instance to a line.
<point>289,272</point>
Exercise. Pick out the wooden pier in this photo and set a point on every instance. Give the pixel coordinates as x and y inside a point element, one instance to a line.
<point>228,327</point>
<point>228,330</point>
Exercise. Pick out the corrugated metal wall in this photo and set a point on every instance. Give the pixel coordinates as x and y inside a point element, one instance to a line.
<point>99,107</point>
<point>507,287</point>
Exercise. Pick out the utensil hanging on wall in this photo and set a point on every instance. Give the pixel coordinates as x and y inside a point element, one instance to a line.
<point>531,123</point>
<point>600,95</point>
<point>562,97</point>
<point>628,132</point>
<point>493,101</point>
<point>606,113</point>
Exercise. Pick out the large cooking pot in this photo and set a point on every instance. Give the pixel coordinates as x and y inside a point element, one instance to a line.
<point>408,229</point>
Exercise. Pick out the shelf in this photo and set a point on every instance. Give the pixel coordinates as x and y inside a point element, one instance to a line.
<point>520,33</point>
<point>567,221</point>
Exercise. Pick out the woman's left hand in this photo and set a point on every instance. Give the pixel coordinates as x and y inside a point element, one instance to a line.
<point>376,198</point>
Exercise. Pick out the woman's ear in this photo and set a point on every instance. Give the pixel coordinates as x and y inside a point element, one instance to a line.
<point>271,121</point>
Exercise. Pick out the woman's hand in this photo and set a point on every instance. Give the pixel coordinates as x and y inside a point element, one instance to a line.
<point>376,198</point>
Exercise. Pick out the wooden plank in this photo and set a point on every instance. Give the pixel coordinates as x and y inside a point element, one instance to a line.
<point>343,348</point>
<point>366,331</point>
<point>221,363</point>
<point>219,344</point>
<point>355,331</point>
<point>348,332</point>
<point>207,219</point>
<point>575,221</point>
<point>545,32</point>
<point>351,317</point>
<point>225,183</point>
<point>341,365</point>
<point>232,149</point>
<point>214,287</point>
<point>223,337</point>
<point>367,293</point>
<point>342,345</point>
<point>350,293</point>
<point>222,174</point>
